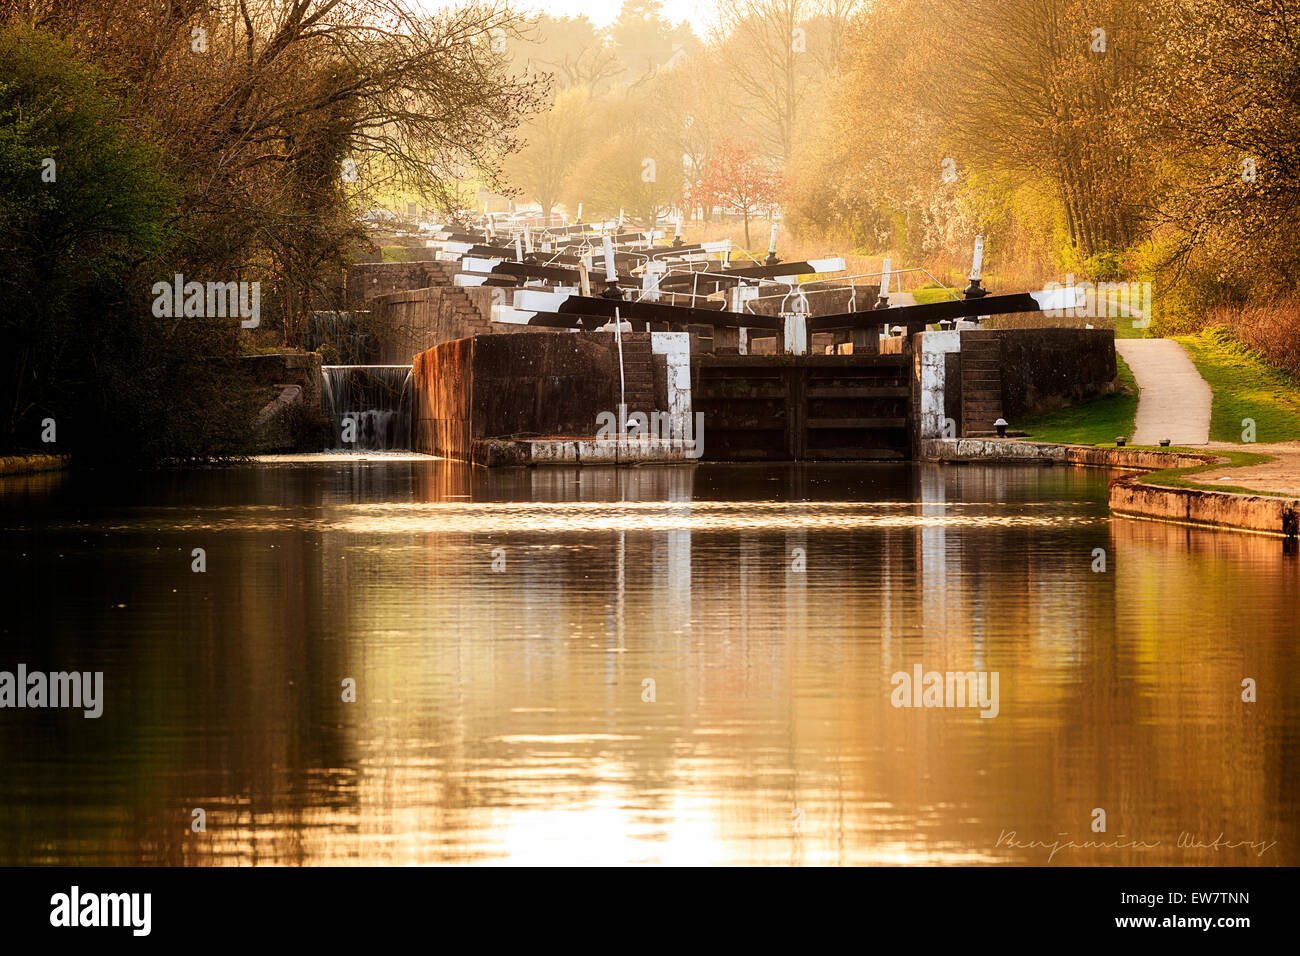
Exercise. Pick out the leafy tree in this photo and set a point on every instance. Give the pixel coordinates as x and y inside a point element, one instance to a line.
<point>214,138</point>
<point>645,42</point>
<point>1220,104</point>
<point>777,56</point>
<point>83,207</point>
<point>737,177</point>
<point>258,103</point>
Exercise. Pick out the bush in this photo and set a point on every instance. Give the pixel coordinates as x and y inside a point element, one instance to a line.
<point>1106,267</point>
<point>1272,331</point>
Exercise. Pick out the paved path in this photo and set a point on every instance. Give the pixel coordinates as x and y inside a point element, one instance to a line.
<point>1280,476</point>
<point>1173,400</point>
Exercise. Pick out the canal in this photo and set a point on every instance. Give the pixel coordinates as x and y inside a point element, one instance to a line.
<point>674,664</point>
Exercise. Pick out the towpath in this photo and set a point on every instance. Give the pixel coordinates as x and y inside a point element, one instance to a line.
<point>1173,401</point>
<point>1280,476</point>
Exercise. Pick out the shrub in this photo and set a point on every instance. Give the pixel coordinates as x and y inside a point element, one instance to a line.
<point>1272,330</point>
<point>83,241</point>
<point>1106,267</point>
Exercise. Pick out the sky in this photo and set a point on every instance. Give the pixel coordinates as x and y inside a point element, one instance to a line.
<point>700,13</point>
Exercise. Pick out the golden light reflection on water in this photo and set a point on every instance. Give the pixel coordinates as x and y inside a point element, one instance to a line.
<point>502,716</point>
<point>589,516</point>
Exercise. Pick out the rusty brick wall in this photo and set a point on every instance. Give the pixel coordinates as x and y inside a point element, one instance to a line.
<point>442,384</point>
<point>511,386</point>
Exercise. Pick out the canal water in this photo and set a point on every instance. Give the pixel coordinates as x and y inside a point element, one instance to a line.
<point>678,665</point>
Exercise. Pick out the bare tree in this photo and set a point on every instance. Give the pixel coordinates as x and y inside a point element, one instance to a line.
<point>283,117</point>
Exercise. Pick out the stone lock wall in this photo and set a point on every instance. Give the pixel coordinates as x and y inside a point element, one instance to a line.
<point>415,306</point>
<point>973,377</point>
<point>540,384</point>
<point>1045,369</point>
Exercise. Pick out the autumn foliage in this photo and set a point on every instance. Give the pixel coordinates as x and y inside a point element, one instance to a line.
<point>738,179</point>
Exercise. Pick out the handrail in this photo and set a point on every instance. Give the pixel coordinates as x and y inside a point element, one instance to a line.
<point>863,275</point>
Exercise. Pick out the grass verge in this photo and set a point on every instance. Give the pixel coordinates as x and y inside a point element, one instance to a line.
<point>1178,477</point>
<point>1245,387</point>
<point>930,292</point>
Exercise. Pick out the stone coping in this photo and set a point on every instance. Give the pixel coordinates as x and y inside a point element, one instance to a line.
<point>1209,507</point>
<point>1001,449</point>
<point>497,452</point>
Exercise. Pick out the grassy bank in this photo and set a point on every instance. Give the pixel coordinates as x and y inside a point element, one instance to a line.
<point>1179,477</point>
<point>1245,387</point>
<point>1097,422</point>
<point>29,464</point>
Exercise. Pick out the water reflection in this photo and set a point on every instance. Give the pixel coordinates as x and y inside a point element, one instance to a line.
<point>503,715</point>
